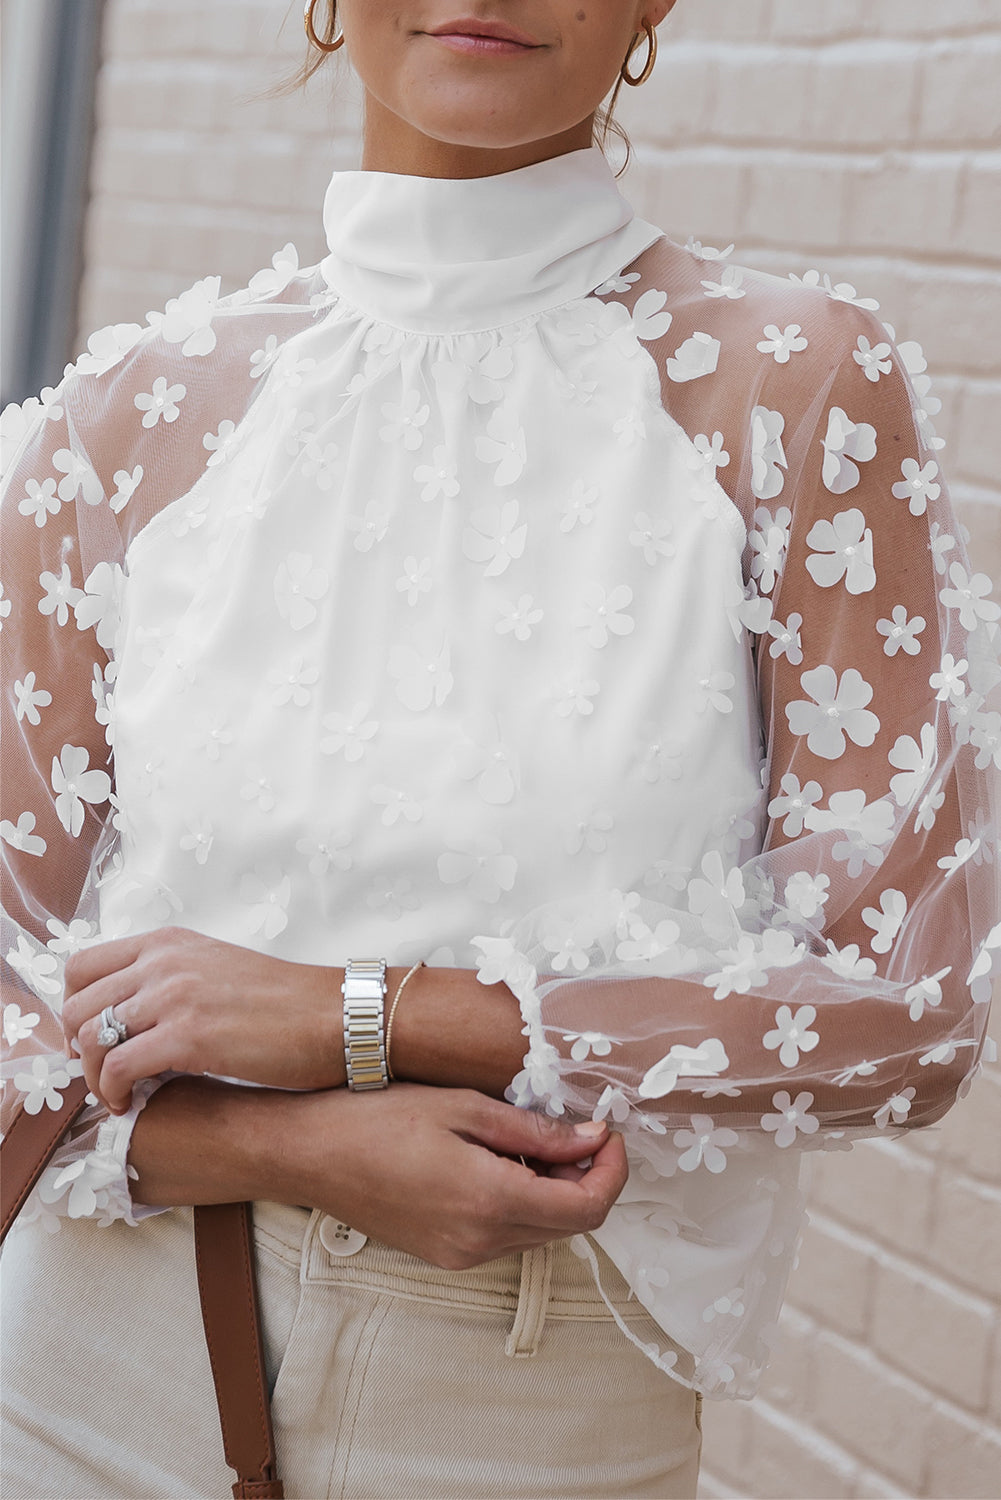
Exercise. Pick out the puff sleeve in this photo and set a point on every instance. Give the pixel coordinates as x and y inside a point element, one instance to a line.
<point>834,975</point>
<point>133,425</point>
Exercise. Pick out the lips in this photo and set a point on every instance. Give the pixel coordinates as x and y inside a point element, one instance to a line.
<point>496,31</point>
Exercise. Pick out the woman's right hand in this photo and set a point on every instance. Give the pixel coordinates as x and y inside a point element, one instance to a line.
<point>436,1172</point>
<point>432,1171</point>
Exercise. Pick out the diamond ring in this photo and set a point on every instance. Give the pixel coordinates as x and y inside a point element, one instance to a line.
<point>112,1029</point>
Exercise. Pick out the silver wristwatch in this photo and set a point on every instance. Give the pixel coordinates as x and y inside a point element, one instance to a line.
<point>364,991</point>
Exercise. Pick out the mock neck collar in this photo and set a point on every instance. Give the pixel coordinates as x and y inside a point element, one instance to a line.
<point>453,255</point>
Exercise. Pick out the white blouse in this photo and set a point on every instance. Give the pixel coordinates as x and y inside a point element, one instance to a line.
<point>521,592</point>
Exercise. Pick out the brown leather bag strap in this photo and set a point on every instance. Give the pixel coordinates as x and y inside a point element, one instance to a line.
<point>29,1146</point>
<point>227,1286</point>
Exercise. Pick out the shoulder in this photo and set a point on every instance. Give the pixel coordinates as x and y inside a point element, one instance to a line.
<point>196,340</point>
<point>753,313</point>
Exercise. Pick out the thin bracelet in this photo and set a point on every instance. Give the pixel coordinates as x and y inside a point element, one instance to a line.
<point>392,1012</point>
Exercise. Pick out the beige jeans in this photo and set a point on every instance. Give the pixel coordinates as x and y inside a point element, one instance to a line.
<point>390,1377</point>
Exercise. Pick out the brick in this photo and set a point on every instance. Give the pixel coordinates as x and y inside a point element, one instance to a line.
<point>835,1276</point>
<point>861,95</point>
<point>870,1410</point>
<point>994,1381</point>
<point>878,1190</point>
<point>682,107</point>
<point>762,94</point>
<point>901,201</point>
<point>794,21</point>
<point>966,1234</point>
<point>932,1332</point>
<point>979,1141</point>
<point>727,21</point>
<point>788,1460</point>
<point>904,18</point>
<point>964,1456</point>
<point>977,444</point>
<point>791,198</point>
<point>872,1486</point>
<point>788,1382</point>
<point>697,193</point>
<point>955,306</point>
<point>980,204</point>
<point>960,100</point>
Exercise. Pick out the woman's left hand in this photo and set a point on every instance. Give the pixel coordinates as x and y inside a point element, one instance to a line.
<point>192,1004</point>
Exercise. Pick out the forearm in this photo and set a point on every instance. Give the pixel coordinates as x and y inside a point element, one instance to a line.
<point>201,1141</point>
<point>452,1031</point>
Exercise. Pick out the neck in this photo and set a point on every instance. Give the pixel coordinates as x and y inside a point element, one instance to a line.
<point>392,145</point>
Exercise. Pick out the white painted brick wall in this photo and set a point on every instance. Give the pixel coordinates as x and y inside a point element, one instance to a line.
<point>859,136</point>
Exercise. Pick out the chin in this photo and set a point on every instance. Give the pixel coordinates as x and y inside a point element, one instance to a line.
<point>479,122</point>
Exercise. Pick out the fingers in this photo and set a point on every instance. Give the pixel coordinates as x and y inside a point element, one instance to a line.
<point>521,1132</point>
<point>142,1056</point>
<point>87,1004</point>
<point>573,1207</point>
<point>87,965</point>
<point>95,1057</point>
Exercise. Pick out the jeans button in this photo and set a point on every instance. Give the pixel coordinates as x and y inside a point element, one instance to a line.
<point>340,1239</point>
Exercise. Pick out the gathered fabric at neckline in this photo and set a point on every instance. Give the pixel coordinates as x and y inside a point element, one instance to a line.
<point>448,255</point>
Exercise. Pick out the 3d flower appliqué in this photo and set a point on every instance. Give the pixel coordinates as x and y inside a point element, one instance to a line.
<point>842,548</point>
<point>298,587</point>
<point>41,501</point>
<point>915,764</point>
<point>75,782</point>
<point>696,357</point>
<point>873,359</point>
<point>792,1034</point>
<point>162,403</point>
<point>482,865</point>
<point>405,420</point>
<point>578,507</point>
<point>504,445</point>
<point>704,1144</point>
<point>901,633</point>
<point>603,613</point>
<point>918,486</point>
<point>846,445</point>
<point>792,1117</point>
<point>793,803</point>
<point>422,672</point>
<point>969,595</point>
<point>730,284</point>
<point>768,457</point>
<point>517,617</point>
<point>30,699</point>
<point>787,640</point>
<point>781,343</point>
<point>652,537</point>
<point>885,920</point>
<point>267,892</point>
<point>187,319</point>
<point>439,478</point>
<point>495,537</point>
<point>838,710</point>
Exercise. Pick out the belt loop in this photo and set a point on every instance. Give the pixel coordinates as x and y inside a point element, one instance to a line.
<point>533,1299</point>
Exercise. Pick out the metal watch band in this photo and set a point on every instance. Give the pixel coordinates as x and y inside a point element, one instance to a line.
<point>364,991</point>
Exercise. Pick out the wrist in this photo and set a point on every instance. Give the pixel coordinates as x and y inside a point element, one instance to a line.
<point>201,1141</point>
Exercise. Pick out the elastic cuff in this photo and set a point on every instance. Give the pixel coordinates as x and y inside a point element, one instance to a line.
<point>114,1137</point>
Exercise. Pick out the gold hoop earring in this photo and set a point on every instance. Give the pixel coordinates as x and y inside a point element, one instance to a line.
<point>311,33</point>
<point>651,58</point>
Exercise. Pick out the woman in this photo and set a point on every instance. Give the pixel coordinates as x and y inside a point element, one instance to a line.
<point>518,593</point>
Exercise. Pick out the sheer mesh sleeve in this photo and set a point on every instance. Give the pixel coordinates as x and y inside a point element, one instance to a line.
<point>129,430</point>
<point>833,975</point>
